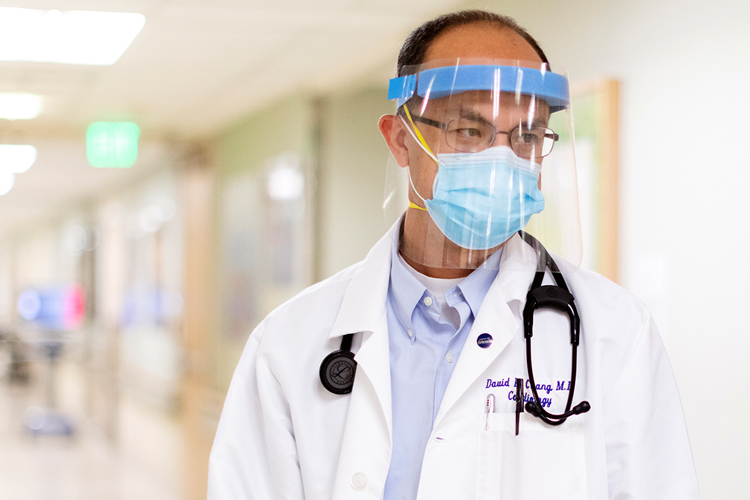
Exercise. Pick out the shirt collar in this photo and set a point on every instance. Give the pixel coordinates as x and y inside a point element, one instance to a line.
<point>475,286</point>
<point>406,291</point>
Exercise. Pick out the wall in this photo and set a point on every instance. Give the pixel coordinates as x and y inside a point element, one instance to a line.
<point>353,160</point>
<point>264,245</point>
<point>338,145</point>
<point>684,171</point>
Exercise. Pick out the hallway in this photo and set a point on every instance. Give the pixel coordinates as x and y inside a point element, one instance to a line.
<point>144,462</point>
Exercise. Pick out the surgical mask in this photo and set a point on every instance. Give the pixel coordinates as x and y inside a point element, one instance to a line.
<point>480,199</point>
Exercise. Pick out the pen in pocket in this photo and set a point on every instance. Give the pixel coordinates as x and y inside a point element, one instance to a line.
<point>489,408</point>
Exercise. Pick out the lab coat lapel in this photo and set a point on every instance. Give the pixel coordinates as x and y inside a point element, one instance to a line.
<point>366,444</point>
<point>373,362</point>
<point>499,315</point>
<point>364,301</point>
<point>363,311</point>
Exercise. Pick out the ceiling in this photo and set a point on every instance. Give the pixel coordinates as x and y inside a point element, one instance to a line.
<point>196,66</point>
<point>199,64</point>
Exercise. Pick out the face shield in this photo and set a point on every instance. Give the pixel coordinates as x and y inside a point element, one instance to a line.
<point>481,150</point>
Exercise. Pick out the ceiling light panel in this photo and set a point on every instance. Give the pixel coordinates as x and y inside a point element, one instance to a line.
<point>16,158</point>
<point>19,106</point>
<point>72,37</point>
<point>7,181</point>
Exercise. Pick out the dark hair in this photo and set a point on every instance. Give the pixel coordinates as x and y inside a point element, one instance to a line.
<point>415,47</point>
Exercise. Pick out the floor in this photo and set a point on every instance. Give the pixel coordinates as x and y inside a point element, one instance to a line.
<point>144,463</point>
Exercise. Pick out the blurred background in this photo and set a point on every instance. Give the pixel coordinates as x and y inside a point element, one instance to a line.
<point>170,176</point>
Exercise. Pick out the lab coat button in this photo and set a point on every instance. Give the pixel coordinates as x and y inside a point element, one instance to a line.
<point>359,481</point>
<point>428,301</point>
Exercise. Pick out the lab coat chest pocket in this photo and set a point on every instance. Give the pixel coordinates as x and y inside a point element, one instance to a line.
<point>543,461</point>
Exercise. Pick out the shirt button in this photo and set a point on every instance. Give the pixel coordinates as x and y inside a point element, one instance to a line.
<point>359,481</point>
<point>428,301</point>
<point>410,333</point>
<point>449,357</point>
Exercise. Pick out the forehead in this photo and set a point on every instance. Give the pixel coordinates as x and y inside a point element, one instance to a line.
<point>480,40</point>
<point>488,102</point>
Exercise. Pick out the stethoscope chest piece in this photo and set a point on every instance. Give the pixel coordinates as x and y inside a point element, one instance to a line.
<point>338,369</point>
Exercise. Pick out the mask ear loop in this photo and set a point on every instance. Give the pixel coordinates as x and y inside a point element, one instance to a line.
<point>411,203</point>
<point>422,144</point>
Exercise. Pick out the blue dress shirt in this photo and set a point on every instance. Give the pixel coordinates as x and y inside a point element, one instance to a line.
<point>424,349</point>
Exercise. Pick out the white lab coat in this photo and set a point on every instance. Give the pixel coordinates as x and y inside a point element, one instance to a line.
<point>283,436</point>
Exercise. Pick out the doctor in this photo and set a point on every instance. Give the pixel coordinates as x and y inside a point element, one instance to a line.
<point>434,317</point>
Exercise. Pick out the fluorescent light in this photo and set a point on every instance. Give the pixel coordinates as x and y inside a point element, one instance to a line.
<point>72,37</point>
<point>16,158</point>
<point>285,183</point>
<point>19,106</point>
<point>7,179</point>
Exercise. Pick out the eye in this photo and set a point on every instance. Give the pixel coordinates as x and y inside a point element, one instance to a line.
<point>530,137</point>
<point>468,135</point>
<point>468,132</point>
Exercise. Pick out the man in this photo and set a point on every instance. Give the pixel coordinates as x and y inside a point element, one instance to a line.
<point>435,315</point>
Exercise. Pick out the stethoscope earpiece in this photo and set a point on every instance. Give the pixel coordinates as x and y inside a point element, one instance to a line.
<point>531,408</point>
<point>581,407</point>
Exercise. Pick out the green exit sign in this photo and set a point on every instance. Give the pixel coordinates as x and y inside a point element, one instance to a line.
<point>112,144</point>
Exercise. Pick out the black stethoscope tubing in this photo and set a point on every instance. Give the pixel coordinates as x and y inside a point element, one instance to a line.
<point>551,297</point>
<point>338,369</point>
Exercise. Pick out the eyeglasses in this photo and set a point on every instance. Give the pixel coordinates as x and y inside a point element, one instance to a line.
<point>471,136</point>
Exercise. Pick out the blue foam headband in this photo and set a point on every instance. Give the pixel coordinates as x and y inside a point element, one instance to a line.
<point>448,80</point>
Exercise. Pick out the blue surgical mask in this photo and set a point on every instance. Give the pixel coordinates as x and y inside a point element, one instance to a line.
<point>480,199</point>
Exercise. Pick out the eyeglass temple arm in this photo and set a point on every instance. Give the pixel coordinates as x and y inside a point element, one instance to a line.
<point>432,123</point>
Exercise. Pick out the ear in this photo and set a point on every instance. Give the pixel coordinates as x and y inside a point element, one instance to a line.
<point>394,134</point>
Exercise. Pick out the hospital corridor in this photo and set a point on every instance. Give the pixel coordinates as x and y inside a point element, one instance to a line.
<point>172,172</point>
<point>86,464</point>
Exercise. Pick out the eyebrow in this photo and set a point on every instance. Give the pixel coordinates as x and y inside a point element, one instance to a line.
<point>470,114</point>
<point>539,122</point>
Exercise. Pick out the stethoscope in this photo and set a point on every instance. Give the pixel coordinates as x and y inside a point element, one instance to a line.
<point>551,297</point>
<point>338,368</point>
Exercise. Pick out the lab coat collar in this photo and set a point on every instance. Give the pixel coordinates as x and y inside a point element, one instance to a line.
<point>517,268</point>
<point>363,307</point>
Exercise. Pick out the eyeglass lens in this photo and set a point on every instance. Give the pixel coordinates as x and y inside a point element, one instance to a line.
<point>470,136</point>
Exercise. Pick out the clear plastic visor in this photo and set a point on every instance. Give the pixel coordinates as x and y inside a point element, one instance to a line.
<point>480,151</point>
